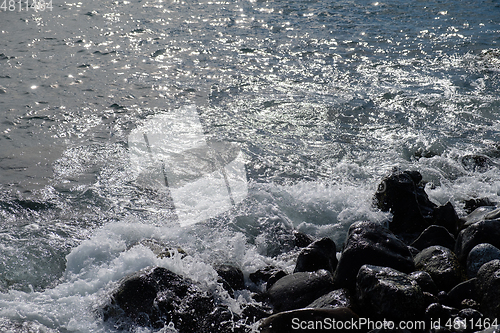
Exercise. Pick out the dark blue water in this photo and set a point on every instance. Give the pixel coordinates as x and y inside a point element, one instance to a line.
<point>322,98</point>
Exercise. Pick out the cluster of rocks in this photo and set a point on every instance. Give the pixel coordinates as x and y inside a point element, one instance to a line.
<point>428,266</point>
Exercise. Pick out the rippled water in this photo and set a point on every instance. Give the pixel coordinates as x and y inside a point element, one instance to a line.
<point>322,97</point>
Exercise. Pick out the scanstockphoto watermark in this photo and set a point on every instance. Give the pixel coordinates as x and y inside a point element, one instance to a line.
<point>453,324</point>
<point>354,324</point>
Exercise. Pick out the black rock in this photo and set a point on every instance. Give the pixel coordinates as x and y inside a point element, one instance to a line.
<point>447,217</point>
<point>461,292</point>
<point>487,231</point>
<point>425,282</point>
<point>253,312</point>
<point>488,289</point>
<point>301,239</point>
<point>385,293</point>
<point>479,214</point>
<point>310,320</point>
<point>434,235</point>
<point>322,254</point>
<point>299,289</point>
<point>472,204</point>
<point>402,194</point>
<point>340,298</point>
<point>438,312</point>
<point>232,275</point>
<point>157,297</point>
<point>370,243</point>
<point>274,278</point>
<point>263,274</point>
<point>480,255</point>
<point>477,163</point>
<point>442,265</point>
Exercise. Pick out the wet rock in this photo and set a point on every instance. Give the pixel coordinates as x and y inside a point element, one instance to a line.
<point>385,293</point>
<point>340,298</point>
<point>447,217</point>
<point>488,289</point>
<point>402,194</point>
<point>370,243</point>
<point>440,313</point>
<point>157,296</point>
<point>461,292</point>
<point>442,265</point>
<point>434,235</point>
<point>254,312</point>
<point>472,204</point>
<point>301,239</point>
<point>310,320</point>
<point>477,163</point>
<point>233,276</point>
<point>477,215</point>
<point>299,289</point>
<point>262,275</point>
<point>274,278</point>
<point>471,317</point>
<point>487,231</point>
<point>425,282</point>
<point>480,255</point>
<point>322,254</point>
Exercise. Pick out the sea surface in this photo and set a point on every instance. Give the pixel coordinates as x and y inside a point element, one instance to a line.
<point>322,99</point>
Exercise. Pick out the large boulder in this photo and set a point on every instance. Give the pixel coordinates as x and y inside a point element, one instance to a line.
<point>486,231</point>
<point>488,289</point>
<point>297,290</point>
<point>401,194</point>
<point>480,255</point>
<point>339,298</point>
<point>370,243</point>
<point>231,277</point>
<point>385,293</point>
<point>322,254</point>
<point>312,320</point>
<point>156,297</point>
<point>425,282</point>
<point>434,235</point>
<point>442,265</point>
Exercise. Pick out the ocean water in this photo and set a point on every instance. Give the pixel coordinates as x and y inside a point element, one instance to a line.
<point>317,99</point>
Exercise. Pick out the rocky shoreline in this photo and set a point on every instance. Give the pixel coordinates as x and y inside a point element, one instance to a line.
<point>429,270</point>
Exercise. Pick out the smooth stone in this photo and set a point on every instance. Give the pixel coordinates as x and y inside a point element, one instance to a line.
<point>385,293</point>
<point>425,282</point>
<point>472,204</point>
<point>477,215</point>
<point>300,289</point>
<point>157,296</point>
<point>487,231</point>
<point>340,298</point>
<point>488,289</point>
<point>477,163</point>
<point>401,193</point>
<point>461,292</point>
<point>434,235</point>
<point>372,244</point>
<point>310,319</point>
<point>232,275</point>
<point>480,255</point>
<point>447,217</point>
<point>301,239</point>
<point>437,311</point>
<point>321,254</point>
<point>442,265</point>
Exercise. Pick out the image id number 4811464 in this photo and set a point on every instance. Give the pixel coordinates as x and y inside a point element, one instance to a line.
<point>20,5</point>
